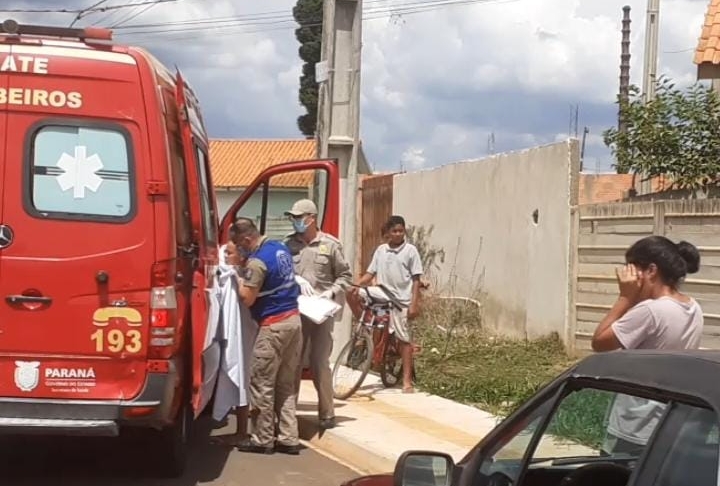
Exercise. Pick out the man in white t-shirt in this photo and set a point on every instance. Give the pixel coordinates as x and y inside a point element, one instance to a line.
<point>397,266</point>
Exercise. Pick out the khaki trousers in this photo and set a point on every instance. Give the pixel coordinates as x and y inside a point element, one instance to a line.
<point>319,338</point>
<point>276,356</point>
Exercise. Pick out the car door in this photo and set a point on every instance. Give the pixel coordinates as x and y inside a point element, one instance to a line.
<point>266,199</point>
<point>4,84</point>
<point>206,350</point>
<point>75,293</point>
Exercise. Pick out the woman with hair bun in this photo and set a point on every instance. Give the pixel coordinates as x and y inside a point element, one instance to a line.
<point>650,313</point>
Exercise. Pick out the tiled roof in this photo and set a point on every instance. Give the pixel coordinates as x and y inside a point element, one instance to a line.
<point>708,49</point>
<point>235,163</point>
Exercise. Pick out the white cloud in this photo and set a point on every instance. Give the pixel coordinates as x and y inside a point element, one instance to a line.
<point>413,158</point>
<point>435,84</point>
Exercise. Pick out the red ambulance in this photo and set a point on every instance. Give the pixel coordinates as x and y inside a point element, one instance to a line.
<point>109,238</point>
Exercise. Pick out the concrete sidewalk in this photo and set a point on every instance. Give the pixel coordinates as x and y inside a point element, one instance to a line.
<point>376,425</point>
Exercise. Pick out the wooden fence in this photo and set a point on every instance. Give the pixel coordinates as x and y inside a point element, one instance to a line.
<point>605,231</point>
<point>377,203</point>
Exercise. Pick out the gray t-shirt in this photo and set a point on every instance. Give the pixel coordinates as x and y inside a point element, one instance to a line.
<point>394,268</point>
<point>663,323</point>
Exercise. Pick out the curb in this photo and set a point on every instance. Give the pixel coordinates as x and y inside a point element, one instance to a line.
<point>343,450</point>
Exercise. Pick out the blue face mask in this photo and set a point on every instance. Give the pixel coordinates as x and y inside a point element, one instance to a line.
<point>299,225</point>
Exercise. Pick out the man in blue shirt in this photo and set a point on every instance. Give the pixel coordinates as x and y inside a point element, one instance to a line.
<point>266,285</point>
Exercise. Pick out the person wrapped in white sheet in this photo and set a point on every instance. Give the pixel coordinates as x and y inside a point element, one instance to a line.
<point>239,332</point>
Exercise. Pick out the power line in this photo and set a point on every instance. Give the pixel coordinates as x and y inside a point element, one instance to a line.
<point>272,14</point>
<point>130,15</point>
<point>79,15</point>
<point>679,51</point>
<point>282,15</point>
<point>83,11</point>
<point>269,19</point>
<point>108,16</point>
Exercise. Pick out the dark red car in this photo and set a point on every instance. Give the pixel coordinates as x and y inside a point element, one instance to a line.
<point>630,418</point>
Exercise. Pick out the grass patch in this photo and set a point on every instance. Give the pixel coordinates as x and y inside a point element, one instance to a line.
<point>463,363</point>
<point>581,417</point>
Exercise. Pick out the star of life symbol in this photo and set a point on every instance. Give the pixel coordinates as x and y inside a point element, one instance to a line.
<point>80,172</point>
<point>27,375</point>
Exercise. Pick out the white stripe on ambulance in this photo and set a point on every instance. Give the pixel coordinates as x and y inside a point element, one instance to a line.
<point>47,50</point>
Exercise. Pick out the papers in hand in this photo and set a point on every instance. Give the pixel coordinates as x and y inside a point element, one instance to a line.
<point>317,308</point>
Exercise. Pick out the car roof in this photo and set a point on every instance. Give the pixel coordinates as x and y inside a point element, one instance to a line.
<point>692,373</point>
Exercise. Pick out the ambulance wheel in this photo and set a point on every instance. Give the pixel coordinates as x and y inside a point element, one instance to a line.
<point>174,442</point>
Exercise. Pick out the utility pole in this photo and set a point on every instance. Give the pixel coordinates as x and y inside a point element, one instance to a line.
<point>650,62</point>
<point>624,69</point>
<point>586,130</point>
<point>338,128</point>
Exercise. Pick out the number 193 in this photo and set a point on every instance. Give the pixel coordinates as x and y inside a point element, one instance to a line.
<point>116,340</point>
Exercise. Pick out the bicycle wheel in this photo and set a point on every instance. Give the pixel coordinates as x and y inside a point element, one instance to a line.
<point>392,368</point>
<point>352,365</point>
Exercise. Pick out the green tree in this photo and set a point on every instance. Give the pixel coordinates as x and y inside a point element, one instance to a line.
<point>677,135</point>
<point>308,13</point>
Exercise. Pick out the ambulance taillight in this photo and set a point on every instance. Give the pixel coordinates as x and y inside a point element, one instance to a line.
<point>163,310</point>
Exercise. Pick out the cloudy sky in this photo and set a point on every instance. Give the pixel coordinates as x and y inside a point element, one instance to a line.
<point>438,82</point>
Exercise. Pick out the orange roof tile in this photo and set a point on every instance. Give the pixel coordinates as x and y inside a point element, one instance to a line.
<point>708,49</point>
<point>235,163</point>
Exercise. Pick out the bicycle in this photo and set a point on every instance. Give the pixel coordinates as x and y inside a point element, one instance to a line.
<point>371,344</point>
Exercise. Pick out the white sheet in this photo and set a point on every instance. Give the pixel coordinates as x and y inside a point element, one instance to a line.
<point>239,331</point>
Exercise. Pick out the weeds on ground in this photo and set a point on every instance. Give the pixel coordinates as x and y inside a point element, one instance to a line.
<point>581,417</point>
<point>463,363</point>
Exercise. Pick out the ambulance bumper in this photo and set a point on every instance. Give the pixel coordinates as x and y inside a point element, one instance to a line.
<point>24,416</point>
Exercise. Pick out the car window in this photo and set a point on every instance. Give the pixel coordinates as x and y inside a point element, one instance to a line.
<point>80,171</point>
<point>591,422</point>
<point>282,192</point>
<point>587,425</point>
<point>209,221</point>
<point>502,463</point>
<point>692,459</point>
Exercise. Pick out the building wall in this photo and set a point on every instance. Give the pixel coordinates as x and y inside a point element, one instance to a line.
<point>601,188</point>
<point>483,217</point>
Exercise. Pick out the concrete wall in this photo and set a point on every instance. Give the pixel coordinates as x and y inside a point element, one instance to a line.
<point>482,212</point>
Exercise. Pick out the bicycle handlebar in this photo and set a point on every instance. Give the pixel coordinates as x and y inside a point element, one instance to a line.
<point>392,300</point>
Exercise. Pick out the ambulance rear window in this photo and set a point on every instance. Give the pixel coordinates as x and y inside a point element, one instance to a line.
<point>81,172</point>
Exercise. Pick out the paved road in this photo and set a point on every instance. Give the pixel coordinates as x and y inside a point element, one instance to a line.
<point>102,462</point>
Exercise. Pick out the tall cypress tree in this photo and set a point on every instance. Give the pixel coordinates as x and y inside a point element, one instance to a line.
<point>308,13</point>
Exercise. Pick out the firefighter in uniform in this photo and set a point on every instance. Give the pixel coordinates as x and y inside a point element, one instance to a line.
<point>318,258</point>
<point>267,286</point>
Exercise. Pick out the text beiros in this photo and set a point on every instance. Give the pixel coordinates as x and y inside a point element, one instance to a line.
<point>40,97</point>
<point>18,63</point>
